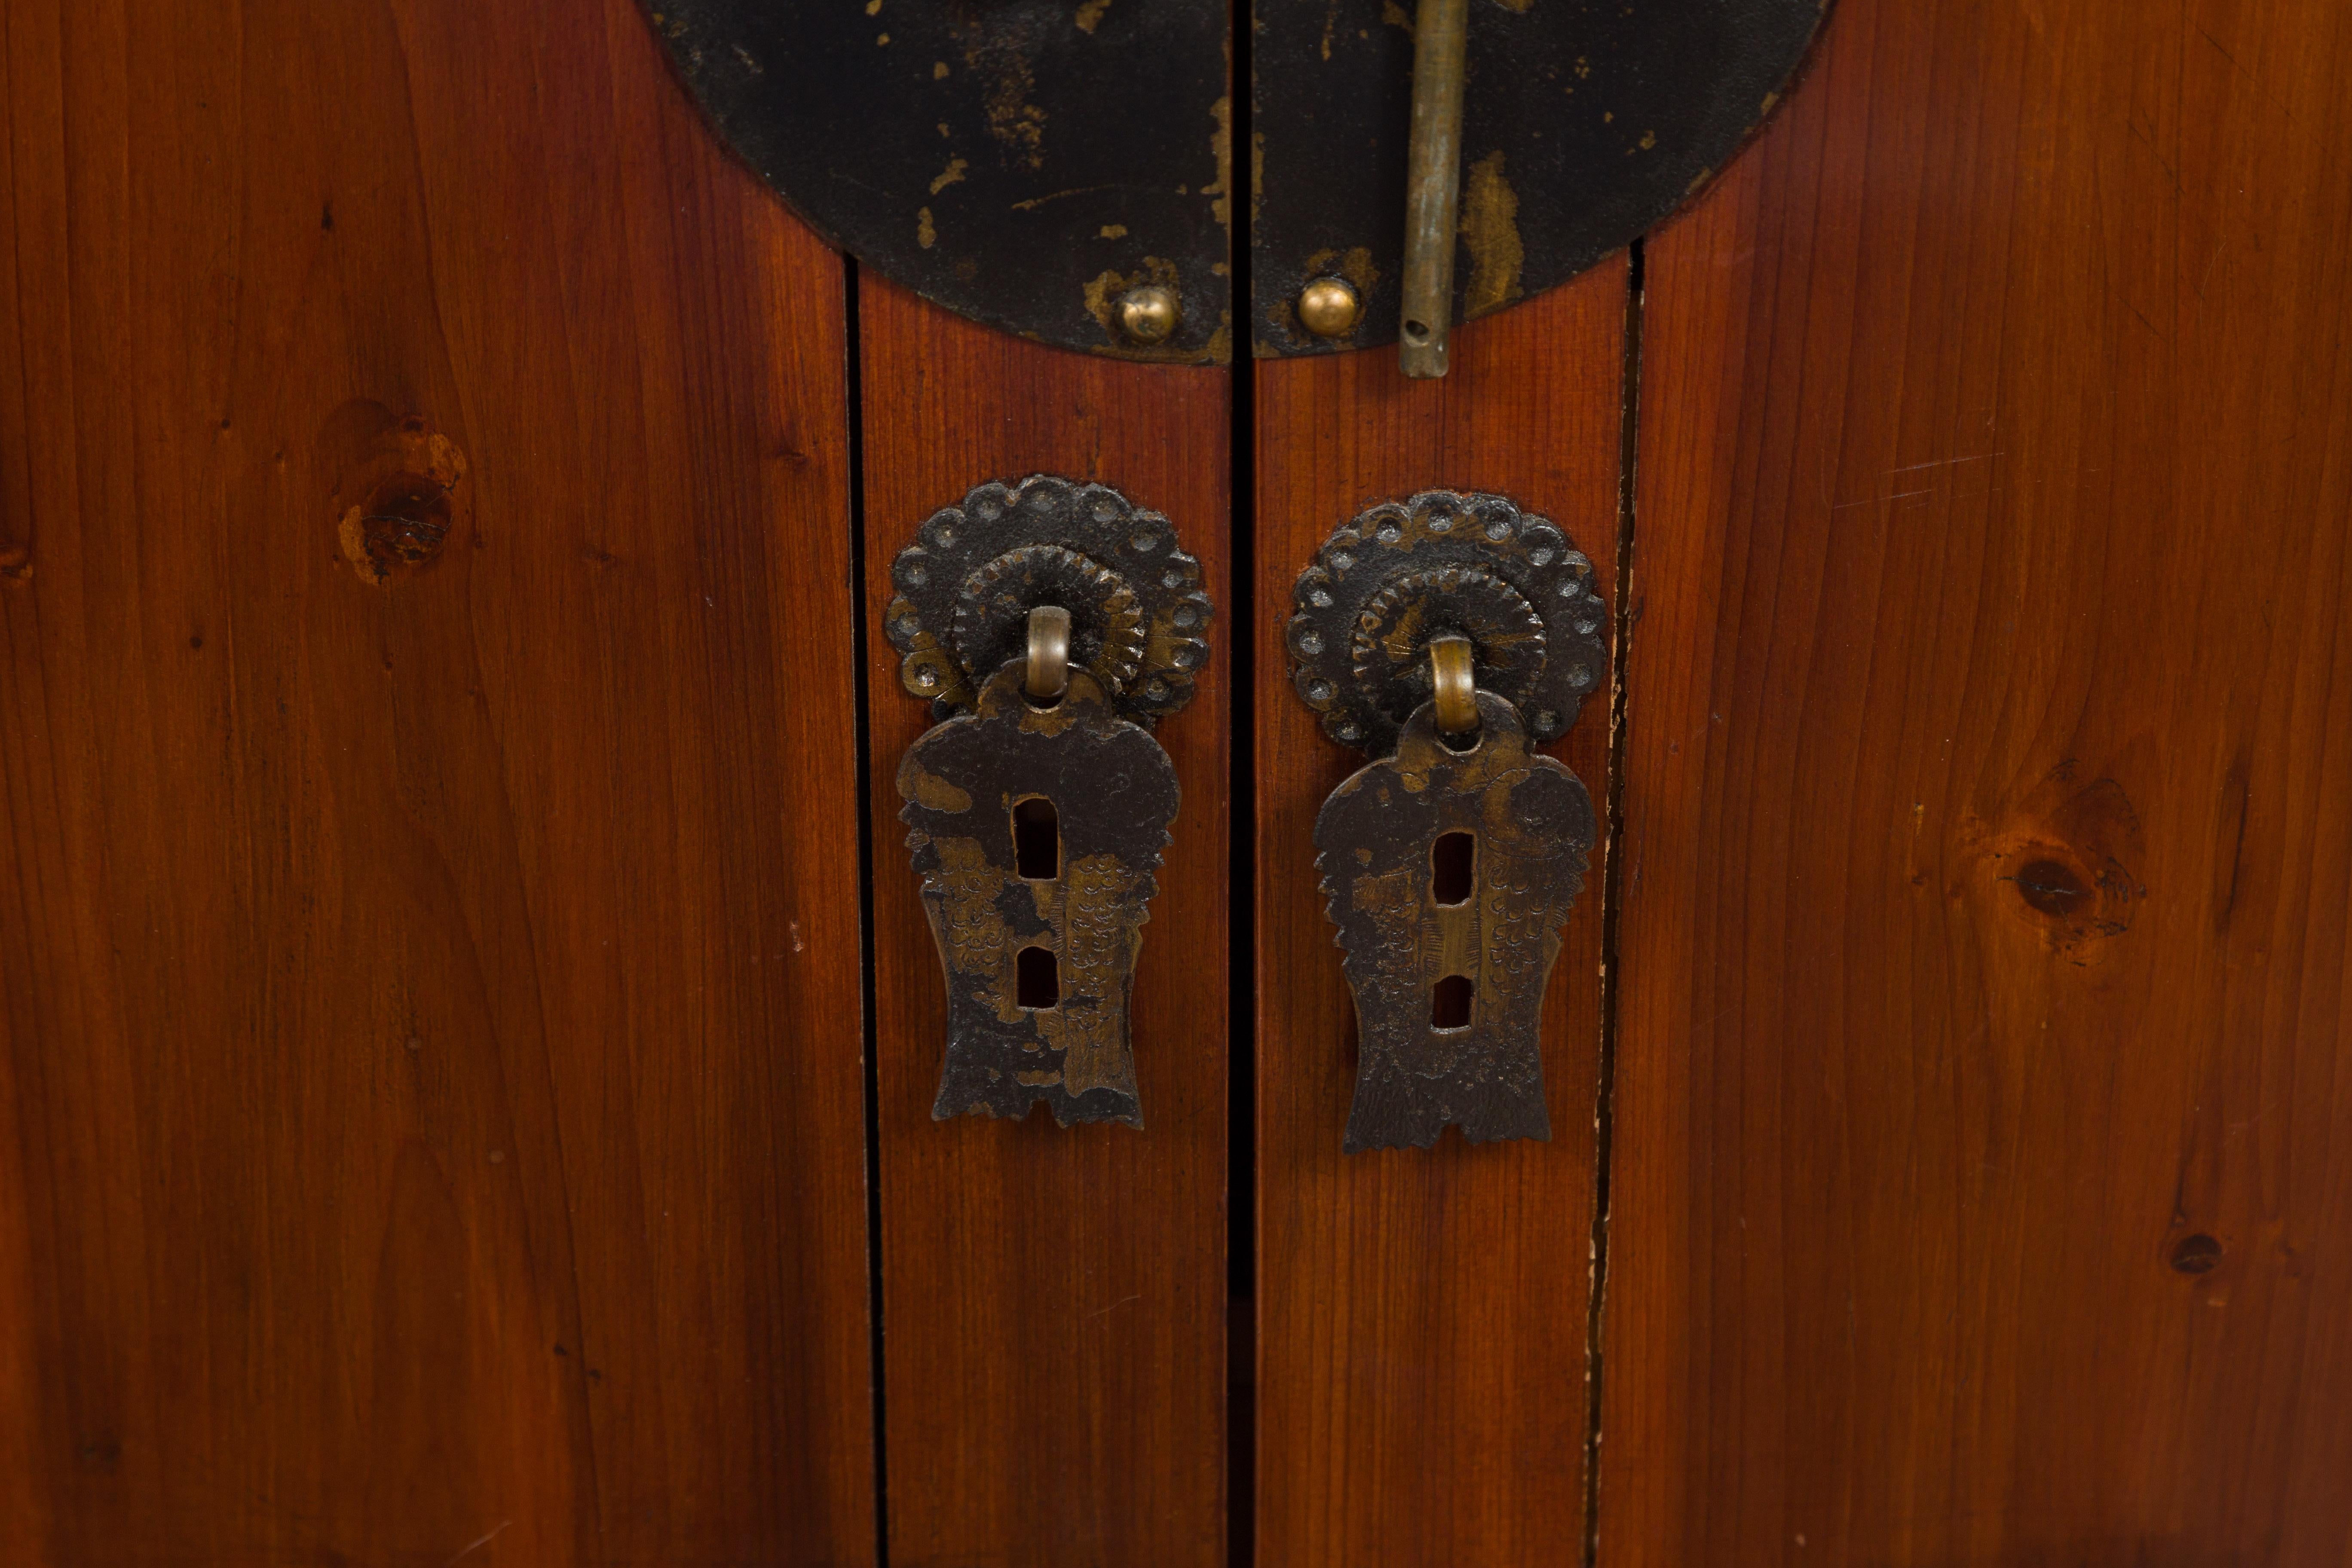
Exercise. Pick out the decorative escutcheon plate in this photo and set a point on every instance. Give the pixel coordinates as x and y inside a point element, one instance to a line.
<point>1037,815</point>
<point>1449,875</point>
<point>1113,792</point>
<point>1450,863</point>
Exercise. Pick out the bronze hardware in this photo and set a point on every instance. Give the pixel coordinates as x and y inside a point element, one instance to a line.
<point>1049,653</point>
<point>1328,307</point>
<point>1050,624</point>
<point>1432,197</point>
<point>1035,165</point>
<point>1446,637</point>
<point>1523,144</point>
<point>1148,314</point>
<point>1456,691</point>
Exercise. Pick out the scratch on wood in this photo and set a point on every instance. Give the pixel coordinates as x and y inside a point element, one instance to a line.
<point>479,1541</point>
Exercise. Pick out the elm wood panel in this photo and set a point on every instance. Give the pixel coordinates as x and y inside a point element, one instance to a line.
<point>1053,1298</point>
<point>429,1046</point>
<point>1987,850</point>
<point>1422,1314</point>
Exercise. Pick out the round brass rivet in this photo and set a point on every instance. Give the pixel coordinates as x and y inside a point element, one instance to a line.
<point>1148,315</point>
<point>1328,307</point>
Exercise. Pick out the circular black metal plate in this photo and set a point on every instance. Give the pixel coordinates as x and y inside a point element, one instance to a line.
<point>1584,124</point>
<point>1021,162</point>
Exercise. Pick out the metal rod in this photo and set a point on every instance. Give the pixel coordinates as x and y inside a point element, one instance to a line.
<point>1433,196</point>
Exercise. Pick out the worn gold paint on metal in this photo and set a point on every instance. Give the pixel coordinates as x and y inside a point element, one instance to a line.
<point>1421,627</point>
<point>1444,562</point>
<point>929,789</point>
<point>1074,1055</point>
<point>1099,943</point>
<point>985,589</point>
<point>1221,149</point>
<point>928,672</point>
<point>1490,229</point>
<point>1017,124</point>
<point>1532,823</point>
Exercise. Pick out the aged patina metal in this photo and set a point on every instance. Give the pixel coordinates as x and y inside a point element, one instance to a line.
<point>1149,314</point>
<point>1584,125</point>
<point>1456,682</point>
<point>1138,615</point>
<point>1328,307</point>
<point>1432,188</point>
<point>1026,163</point>
<point>1114,794</point>
<point>1049,623</point>
<point>1447,635</point>
<point>1403,572</point>
<point>1529,823</point>
<point>1043,166</point>
<point>1048,670</point>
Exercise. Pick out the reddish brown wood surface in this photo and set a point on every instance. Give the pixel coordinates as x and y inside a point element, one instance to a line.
<point>1422,1314</point>
<point>429,1093</point>
<point>1983,1147</point>
<point>1053,1299</point>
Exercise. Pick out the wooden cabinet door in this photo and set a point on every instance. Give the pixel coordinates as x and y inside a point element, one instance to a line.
<point>1952,1150</point>
<point>430,1103</point>
<point>1981,1172</point>
<point>1053,1300</point>
<point>468,1049</point>
<point>468,1025</point>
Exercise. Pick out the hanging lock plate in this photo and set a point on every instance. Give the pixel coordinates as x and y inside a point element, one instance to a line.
<point>1067,168</point>
<point>1447,637</point>
<point>1049,624</point>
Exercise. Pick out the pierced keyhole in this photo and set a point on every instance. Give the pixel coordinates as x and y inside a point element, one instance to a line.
<point>1453,864</point>
<point>1449,1002</point>
<point>1037,978</point>
<point>1036,840</point>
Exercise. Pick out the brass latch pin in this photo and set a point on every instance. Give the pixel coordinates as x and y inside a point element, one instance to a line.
<point>1433,196</point>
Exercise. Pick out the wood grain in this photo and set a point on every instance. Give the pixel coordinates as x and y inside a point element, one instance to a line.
<point>1422,1314</point>
<point>1983,1151</point>
<point>1053,1299</point>
<point>429,1092</point>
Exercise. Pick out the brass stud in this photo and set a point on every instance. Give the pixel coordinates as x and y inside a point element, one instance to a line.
<point>1328,307</point>
<point>1148,314</point>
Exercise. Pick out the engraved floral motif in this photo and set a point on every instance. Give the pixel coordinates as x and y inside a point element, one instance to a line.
<point>1444,562</point>
<point>1533,823</point>
<point>959,782</point>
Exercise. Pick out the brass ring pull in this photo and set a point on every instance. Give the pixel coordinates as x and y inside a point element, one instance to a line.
<point>1049,652</point>
<point>1457,693</point>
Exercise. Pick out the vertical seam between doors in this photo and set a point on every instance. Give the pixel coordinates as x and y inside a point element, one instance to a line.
<point>861,740</point>
<point>1611,899</point>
